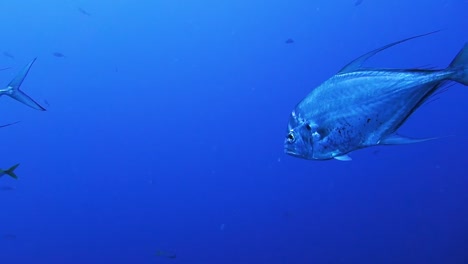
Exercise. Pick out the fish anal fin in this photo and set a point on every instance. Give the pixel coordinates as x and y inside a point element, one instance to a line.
<point>400,140</point>
<point>357,63</point>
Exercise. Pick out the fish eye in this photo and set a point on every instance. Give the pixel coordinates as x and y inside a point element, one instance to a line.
<point>290,138</point>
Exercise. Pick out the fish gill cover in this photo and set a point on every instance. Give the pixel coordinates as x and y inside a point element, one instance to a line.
<point>163,136</point>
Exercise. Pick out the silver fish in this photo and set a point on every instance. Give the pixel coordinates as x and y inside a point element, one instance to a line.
<point>359,107</point>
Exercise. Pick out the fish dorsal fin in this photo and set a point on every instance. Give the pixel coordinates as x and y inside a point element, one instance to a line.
<point>357,63</point>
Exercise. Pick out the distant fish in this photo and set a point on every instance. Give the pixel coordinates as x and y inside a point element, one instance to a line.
<point>358,2</point>
<point>58,54</point>
<point>166,254</point>
<point>289,41</point>
<point>9,236</point>
<point>8,55</point>
<point>7,188</point>
<point>10,172</point>
<point>286,214</point>
<point>83,12</point>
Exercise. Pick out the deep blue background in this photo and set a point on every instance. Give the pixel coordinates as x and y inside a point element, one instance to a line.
<point>165,129</point>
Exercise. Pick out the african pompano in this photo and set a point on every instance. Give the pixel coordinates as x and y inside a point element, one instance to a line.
<point>360,107</point>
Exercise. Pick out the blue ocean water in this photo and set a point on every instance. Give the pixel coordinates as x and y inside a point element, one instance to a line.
<point>163,136</point>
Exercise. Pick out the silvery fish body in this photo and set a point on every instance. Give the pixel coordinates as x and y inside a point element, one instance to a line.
<point>358,108</point>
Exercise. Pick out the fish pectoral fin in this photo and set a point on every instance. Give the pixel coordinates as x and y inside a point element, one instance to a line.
<point>343,158</point>
<point>399,140</point>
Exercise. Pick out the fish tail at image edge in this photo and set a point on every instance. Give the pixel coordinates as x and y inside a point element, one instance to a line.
<point>10,172</point>
<point>13,89</point>
<point>460,66</point>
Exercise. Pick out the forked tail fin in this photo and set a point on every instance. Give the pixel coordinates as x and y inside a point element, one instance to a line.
<point>11,171</point>
<point>13,89</point>
<point>460,66</point>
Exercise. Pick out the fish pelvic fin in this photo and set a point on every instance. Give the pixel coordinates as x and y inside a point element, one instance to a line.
<point>13,89</point>
<point>460,65</point>
<point>343,158</point>
<point>11,171</point>
<point>357,63</point>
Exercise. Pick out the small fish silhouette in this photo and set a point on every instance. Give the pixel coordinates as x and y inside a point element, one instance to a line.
<point>83,12</point>
<point>8,55</point>
<point>7,188</point>
<point>58,54</point>
<point>289,41</point>
<point>166,254</point>
<point>9,236</point>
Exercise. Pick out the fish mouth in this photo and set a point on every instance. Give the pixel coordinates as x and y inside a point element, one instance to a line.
<point>295,154</point>
<point>291,152</point>
<point>288,149</point>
